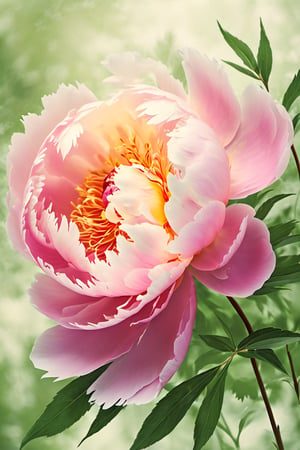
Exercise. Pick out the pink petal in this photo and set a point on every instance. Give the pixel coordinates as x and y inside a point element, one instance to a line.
<point>249,267</point>
<point>25,147</point>
<point>14,229</point>
<point>73,310</point>
<point>138,376</point>
<point>211,95</point>
<point>260,151</point>
<point>199,233</point>
<point>221,250</point>
<point>65,353</point>
<point>202,172</point>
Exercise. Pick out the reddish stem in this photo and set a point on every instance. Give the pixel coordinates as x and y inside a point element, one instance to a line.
<point>296,159</point>
<point>263,391</point>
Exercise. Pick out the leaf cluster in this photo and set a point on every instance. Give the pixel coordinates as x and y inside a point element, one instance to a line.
<point>260,67</point>
<point>71,402</point>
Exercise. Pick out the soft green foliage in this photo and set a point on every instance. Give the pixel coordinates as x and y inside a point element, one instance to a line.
<point>268,338</point>
<point>292,92</point>
<point>296,120</point>
<point>242,69</point>
<point>242,50</point>
<point>222,343</point>
<point>210,410</point>
<point>264,55</point>
<point>260,67</point>
<point>103,418</point>
<point>171,409</point>
<point>67,407</point>
<point>266,207</point>
<point>43,44</point>
<point>267,355</point>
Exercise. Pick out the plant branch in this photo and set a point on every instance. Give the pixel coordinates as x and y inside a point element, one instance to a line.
<point>263,391</point>
<point>296,159</point>
<point>296,384</point>
<point>225,427</point>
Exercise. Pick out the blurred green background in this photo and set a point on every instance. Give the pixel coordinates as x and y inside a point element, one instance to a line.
<point>43,44</point>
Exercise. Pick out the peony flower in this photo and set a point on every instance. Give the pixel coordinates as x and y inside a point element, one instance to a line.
<point>122,202</point>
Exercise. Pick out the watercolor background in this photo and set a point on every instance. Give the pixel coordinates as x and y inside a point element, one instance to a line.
<point>43,44</point>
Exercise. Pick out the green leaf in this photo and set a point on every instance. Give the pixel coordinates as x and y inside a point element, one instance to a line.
<point>266,338</point>
<point>296,120</point>
<point>264,55</point>
<point>226,328</point>
<point>242,50</point>
<point>171,409</point>
<point>104,416</point>
<point>242,69</point>
<point>287,271</point>
<point>265,355</point>
<point>210,411</point>
<point>245,420</point>
<point>266,289</point>
<point>279,232</point>
<point>222,343</point>
<point>266,207</point>
<point>289,240</point>
<point>287,264</point>
<point>242,387</point>
<point>292,92</point>
<point>66,408</point>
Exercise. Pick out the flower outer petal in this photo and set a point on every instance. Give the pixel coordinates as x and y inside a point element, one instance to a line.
<point>248,268</point>
<point>199,233</point>
<point>211,94</point>
<point>65,353</point>
<point>25,146</point>
<point>227,242</point>
<point>260,151</point>
<point>139,375</point>
<point>73,310</point>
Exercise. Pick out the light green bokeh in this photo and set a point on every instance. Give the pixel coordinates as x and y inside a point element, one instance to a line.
<point>43,44</point>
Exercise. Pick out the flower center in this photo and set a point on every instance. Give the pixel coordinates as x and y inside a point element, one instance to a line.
<point>131,188</point>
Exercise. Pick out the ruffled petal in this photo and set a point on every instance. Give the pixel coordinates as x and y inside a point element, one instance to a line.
<point>250,265</point>
<point>65,353</point>
<point>138,376</point>
<point>260,151</point>
<point>211,95</point>
<point>219,252</point>
<point>199,233</point>
<point>73,310</point>
<point>24,147</point>
<point>202,172</point>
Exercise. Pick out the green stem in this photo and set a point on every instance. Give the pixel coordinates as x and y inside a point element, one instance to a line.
<point>226,429</point>
<point>263,391</point>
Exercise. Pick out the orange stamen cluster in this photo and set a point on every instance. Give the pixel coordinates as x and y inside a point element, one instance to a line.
<point>96,232</point>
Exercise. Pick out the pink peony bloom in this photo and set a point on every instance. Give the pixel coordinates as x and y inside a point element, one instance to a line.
<point>121,202</point>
